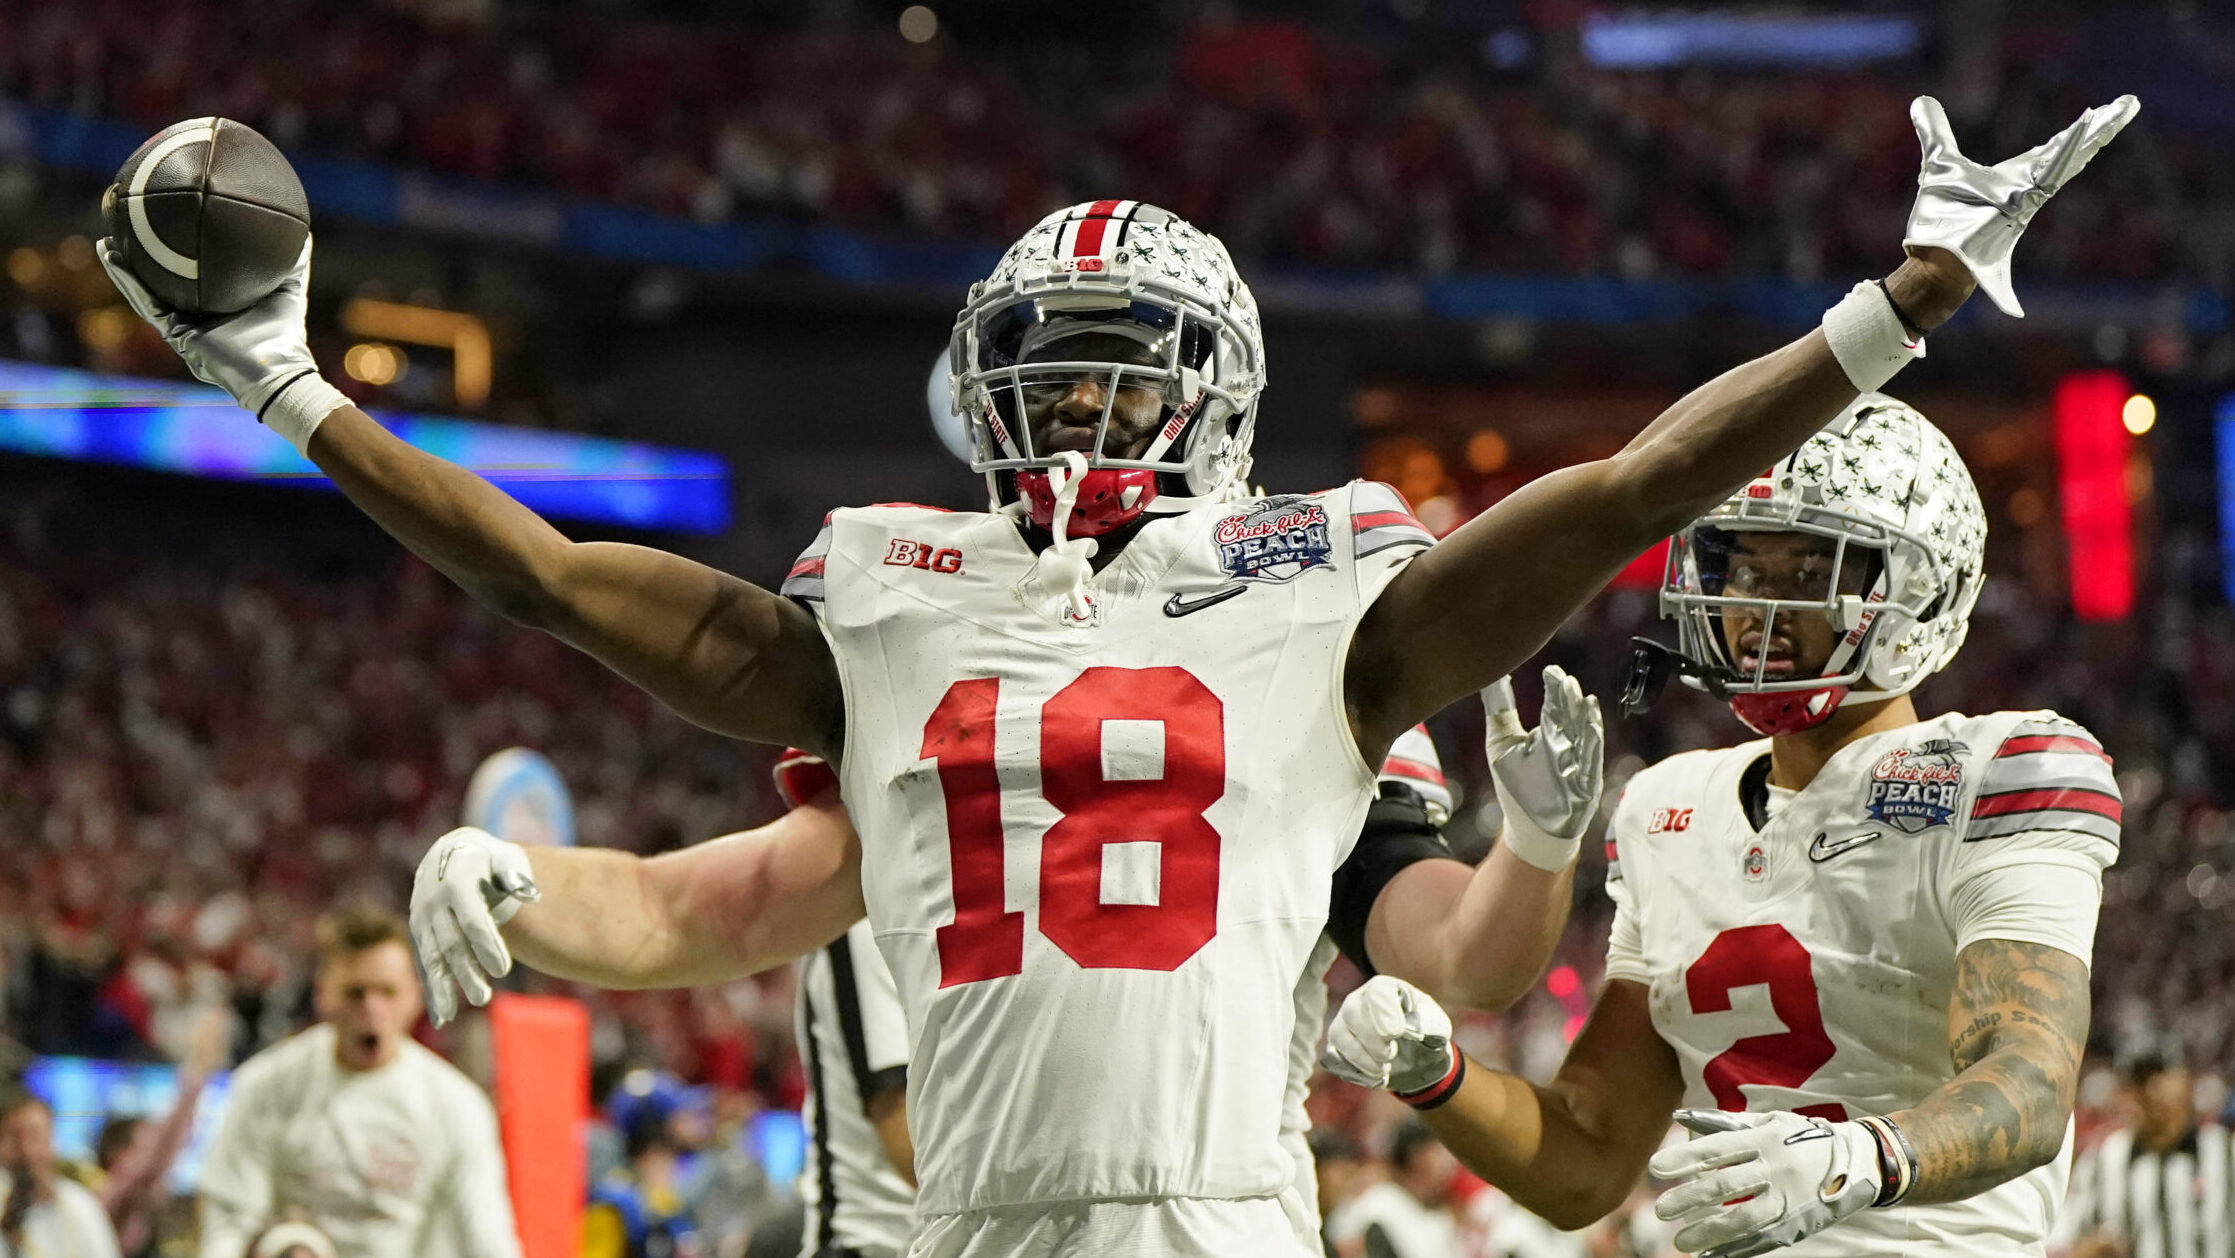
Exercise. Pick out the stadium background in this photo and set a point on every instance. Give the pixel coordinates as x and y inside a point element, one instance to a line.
<point>1491,238</point>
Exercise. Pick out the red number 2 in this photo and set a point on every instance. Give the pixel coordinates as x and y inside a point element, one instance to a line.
<point>1747,956</point>
<point>986,940</point>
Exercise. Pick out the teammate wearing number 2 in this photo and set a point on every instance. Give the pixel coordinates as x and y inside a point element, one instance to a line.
<point>1107,743</point>
<point>1857,947</point>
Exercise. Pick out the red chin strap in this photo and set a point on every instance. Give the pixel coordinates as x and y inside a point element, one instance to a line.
<point>1101,506</point>
<point>1787,712</point>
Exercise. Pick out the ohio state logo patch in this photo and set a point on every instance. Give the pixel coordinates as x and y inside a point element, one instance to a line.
<point>1279,539</point>
<point>1756,863</point>
<point>1916,788</point>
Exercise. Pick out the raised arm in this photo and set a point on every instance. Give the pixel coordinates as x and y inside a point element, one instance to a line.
<point>725,654</point>
<point>1569,1150</point>
<point>1481,937</point>
<point>1490,594</point>
<point>721,909</point>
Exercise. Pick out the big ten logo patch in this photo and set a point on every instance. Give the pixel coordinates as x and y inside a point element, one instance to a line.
<point>1277,540</point>
<point>1916,788</point>
<point>1669,821</point>
<point>903,553</point>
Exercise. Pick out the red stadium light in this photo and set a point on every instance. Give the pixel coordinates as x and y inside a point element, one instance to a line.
<point>2092,441</point>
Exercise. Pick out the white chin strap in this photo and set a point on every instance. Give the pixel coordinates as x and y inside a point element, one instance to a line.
<point>1067,565</point>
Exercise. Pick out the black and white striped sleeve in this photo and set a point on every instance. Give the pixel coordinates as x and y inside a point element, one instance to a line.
<point>870,1018</point>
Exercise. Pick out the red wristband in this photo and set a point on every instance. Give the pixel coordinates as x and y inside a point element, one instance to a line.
<point>1442,1089</point>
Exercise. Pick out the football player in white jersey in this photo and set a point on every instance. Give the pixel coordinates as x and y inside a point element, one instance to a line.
<point>1857,948</point>
<point>1109,740</point>
<point>625,921</point>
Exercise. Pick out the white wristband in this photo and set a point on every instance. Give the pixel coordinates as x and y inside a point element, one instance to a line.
<point>1867,338</point>
<point>1525,839</point>
<point>297,410</point>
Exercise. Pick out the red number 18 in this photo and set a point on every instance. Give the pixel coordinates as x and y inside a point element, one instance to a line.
<point>986,939</point>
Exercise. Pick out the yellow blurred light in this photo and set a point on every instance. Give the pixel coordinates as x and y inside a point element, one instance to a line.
<point>2140,414</point>
<point>1487,451</point>
<point>75,253</point>
<point>918,24</point>
<point>26,266</point>
<point>104,328</point>
<point>464,335</point>
<point>374,363</point>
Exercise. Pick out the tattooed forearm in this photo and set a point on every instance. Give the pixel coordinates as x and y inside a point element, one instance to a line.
<point>2016,1022</point>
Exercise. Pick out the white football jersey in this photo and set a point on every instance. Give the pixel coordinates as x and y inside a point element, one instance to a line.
<point>1808,965</point>
<point>1097,849</point>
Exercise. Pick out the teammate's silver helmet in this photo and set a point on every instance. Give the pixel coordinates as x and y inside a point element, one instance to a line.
<point>1134,271</point>
<point>1908,538</point>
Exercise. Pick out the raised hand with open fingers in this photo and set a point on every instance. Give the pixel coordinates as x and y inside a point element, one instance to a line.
<point>1548,779</point>
<point>1977,212</point>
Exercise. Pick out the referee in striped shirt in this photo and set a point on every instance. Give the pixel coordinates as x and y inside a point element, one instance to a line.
<point>2163,1186</point>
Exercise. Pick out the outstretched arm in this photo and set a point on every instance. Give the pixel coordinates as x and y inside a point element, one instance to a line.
<point>717,910</point>
<point>1487,597</point>
<point>721,909</point>
<point>2017,1021</point>
<point>725,654</point>
<point>1490,594</point>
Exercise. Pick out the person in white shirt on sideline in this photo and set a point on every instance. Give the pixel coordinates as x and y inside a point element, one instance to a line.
<point>43,1214</point>
<point>381,1144</point>
<point>1408,1215</point>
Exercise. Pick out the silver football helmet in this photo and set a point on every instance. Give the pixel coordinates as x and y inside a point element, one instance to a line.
<point>1140,274</point>
<point>1905,535</point>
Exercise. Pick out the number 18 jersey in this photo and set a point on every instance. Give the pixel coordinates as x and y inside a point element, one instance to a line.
<point>1096,848</point>
<point>1806,963</point>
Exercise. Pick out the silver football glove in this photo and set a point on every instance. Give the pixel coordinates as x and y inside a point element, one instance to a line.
<point>469,883</point>
<point>1978,212</point>
<point>251,354</point>
<point>1390,1035</point>
<point>1548,779</point>
<point>1757,1182</point>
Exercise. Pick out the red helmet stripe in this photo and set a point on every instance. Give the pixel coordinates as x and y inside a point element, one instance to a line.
<point>1088,242</point>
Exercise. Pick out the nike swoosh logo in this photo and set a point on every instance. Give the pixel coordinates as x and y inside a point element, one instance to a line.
<point>1822,850</point>
<point>1177,606</point>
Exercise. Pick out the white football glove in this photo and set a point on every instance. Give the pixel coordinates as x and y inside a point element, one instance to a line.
<point>1978,212</point>
<point>1548,779</point>
<point>1757,1182</point>
<point>1390,1035</point>
<point>469,883</point>
<point>257,355</point>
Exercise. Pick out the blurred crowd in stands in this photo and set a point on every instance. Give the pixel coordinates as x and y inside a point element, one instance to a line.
<point>209,736</point>
<point>1304,145</point>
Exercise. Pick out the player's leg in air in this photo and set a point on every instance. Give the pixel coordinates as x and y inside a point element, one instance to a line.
<point>1169,697</point>
<point>1857,948</point>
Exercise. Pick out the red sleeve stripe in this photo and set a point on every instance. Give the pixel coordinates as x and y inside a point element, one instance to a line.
<point>1401,767</point>
<point>2048,799</point>
<point>806,568</point>
<point>1383,519</point>
<point>2050,742</point>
